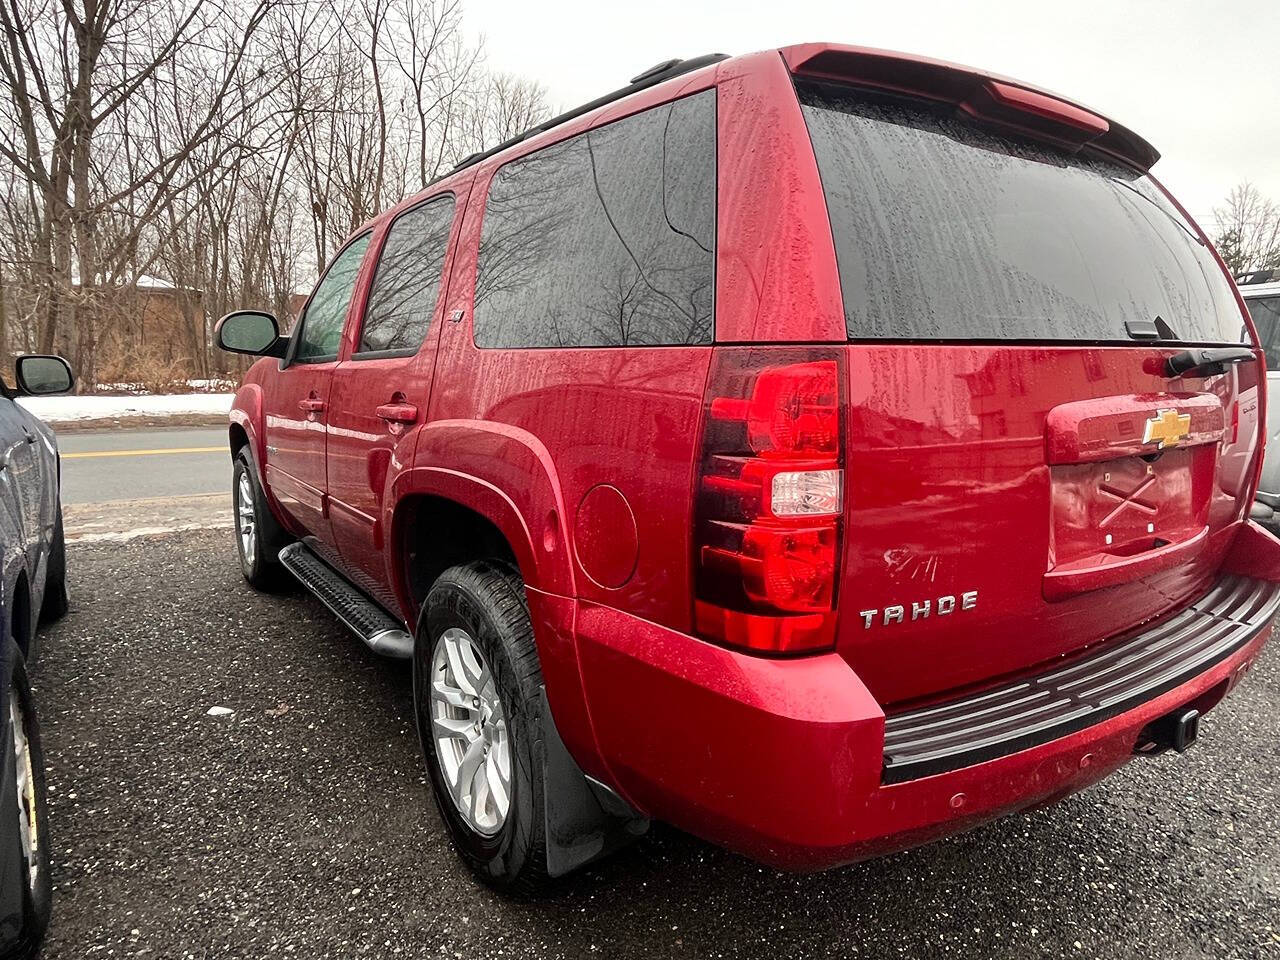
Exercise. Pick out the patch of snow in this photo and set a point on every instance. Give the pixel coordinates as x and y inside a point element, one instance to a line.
<point>148,282</point>
<point>70,408</point>
<point>143,281</point>
<point>217,385</point>
<point>123,536</point>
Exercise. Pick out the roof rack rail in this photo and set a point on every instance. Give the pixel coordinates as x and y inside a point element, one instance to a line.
<point>649,78</point>
<point>656,69</point>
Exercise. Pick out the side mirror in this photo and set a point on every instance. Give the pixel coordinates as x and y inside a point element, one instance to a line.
<point>40,376</point>
<point>250,331</point>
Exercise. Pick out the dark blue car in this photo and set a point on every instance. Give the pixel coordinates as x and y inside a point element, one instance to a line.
<point>25,888</point>
<point>33,576</point>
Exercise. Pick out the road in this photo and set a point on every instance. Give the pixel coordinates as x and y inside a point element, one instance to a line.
<point>301,825</point>
<point>115,465</point>
<point>119,484</point>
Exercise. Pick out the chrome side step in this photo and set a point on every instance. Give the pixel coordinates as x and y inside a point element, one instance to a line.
<point>378,629</point>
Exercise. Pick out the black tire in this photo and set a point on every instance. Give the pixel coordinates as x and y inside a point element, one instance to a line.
<point>262,569</point>
<point>37,897</point>
<point>488,602</point>
<point>57,598</point>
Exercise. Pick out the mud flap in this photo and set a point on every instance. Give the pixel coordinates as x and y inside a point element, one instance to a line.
<point>585,820</point>
<point>1255,553</point>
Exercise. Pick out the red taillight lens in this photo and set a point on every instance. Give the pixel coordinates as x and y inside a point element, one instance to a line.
<point>770,499</point>
<point>792,410</point>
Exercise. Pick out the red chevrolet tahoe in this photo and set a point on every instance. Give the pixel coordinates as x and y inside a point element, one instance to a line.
<point>821,450</point>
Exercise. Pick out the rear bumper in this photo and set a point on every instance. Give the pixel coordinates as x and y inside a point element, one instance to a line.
<point>785,760</point>
<point>1118,676</point>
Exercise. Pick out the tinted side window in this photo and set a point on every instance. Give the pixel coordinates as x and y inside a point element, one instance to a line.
<point>1265,312</point>
<point>606,239</point>
<point>325,315</point>
<point>407,283</point>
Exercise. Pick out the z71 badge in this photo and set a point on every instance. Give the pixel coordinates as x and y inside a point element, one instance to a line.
<point>920,609</point>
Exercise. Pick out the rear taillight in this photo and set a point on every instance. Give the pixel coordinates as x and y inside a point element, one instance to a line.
<point>769,499</point>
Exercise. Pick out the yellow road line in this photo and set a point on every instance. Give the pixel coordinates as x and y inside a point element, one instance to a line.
<point>141,453</point>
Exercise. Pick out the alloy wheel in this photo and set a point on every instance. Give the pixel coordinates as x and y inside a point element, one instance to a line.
<point>245,519</point>
<point>469,727</point>
<point>28,817</point>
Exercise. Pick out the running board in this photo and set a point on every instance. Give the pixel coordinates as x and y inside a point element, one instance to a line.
<point>377,628</point>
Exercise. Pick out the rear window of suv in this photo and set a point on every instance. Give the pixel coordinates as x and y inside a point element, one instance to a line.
<point>946,231</point>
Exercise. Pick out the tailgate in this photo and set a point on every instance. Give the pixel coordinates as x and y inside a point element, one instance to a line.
<point>1026,472</point>
<point>1008,505</point>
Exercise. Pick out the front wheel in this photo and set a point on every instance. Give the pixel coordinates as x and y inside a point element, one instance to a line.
<point>477,701</point>
<point>29,808</point>
<point>258,536</point>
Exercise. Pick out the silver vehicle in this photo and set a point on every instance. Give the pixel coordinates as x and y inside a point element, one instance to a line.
<point>1263,301</point>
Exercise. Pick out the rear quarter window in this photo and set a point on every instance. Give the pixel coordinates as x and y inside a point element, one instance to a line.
<point>946,231</point>
<point>605,239</point>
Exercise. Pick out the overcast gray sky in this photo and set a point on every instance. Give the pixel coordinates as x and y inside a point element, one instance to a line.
<point>1200,80</point>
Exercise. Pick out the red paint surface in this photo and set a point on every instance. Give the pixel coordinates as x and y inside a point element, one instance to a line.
<point>605,537</point>
<point>1047,106</point>
<point>1105,428</point>
<point>785,765</point>
<point>1254,553</point>
<point>949,490</point>
<point>967,469</point>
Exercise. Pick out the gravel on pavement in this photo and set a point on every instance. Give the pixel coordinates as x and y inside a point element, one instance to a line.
<point>300,823</point>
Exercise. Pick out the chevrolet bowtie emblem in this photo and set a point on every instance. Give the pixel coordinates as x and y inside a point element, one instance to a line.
<point>1168,428</point>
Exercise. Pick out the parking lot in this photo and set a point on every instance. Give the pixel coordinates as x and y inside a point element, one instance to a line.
<point>300,824</point>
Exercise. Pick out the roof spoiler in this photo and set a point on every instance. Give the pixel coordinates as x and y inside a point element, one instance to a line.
<point>995,100</point>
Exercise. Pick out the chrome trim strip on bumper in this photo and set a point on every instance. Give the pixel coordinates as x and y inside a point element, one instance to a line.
<point>1085,691</point>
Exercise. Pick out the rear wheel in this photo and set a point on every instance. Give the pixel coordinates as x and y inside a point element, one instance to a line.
<point>476,690</point>
<point>258,536</point>
<point>31,808</point>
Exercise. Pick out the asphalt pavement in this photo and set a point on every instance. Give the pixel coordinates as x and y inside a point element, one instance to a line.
<point>301,825</point>
<point>121,465</point>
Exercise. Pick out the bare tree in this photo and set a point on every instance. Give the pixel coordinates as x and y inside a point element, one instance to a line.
<point>500,106</point>
<point>227,147</point>
<point>1248,230</point>
<point>111,107</point>
<point>438,69</point>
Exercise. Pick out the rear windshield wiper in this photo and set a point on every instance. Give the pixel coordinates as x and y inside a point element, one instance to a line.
<point>1197,361</point>
<point>1157,329</point>
<point>1206,362</point>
